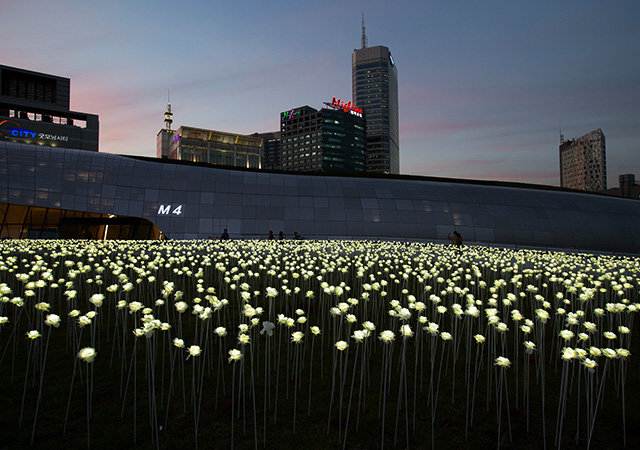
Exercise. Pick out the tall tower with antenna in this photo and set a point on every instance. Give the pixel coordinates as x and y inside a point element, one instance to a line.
<point>166,135</point>
<point>363,39</point>
<point>168,115</point>
<point>374,89</point>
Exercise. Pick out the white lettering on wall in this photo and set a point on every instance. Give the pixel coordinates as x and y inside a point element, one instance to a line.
<point>168,209</point>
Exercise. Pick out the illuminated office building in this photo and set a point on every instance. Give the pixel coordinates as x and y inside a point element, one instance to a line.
<point>211,147</point>
<point>374,78</point>
<point>34,109</point>
<point>331,139</point>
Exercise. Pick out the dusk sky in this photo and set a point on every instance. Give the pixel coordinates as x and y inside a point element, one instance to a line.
<point>483,85</point>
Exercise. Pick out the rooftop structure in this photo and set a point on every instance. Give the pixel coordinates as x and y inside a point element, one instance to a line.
<point>34,109</point>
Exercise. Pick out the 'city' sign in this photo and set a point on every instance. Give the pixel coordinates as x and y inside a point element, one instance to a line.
<point>5,126</point>
<point>346,107</point>
<point>11,129</point>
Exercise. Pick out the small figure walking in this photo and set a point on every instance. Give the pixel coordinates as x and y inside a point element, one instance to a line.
<point>225,235</point>
<point>281,236</point>
<point>270,237</point>
<point>456,239</point>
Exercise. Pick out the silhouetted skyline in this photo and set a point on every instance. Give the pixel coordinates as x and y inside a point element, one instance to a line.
<point>482,85</point>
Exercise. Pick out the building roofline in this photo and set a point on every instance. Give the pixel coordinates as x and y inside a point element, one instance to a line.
<point>379,176</point>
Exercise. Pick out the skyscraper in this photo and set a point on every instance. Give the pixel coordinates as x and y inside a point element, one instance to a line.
<point>583,162</point>
<point>374,79</point>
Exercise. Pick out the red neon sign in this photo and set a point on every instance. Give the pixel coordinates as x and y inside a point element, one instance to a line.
<point>346,107</point>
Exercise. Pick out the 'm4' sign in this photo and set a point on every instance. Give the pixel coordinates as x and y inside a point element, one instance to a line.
<point>166,210</point>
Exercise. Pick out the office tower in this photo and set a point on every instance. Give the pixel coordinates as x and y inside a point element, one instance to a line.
<point>374,78</point>
<point>329,140</point>
<point>270,150</point>
<point>34,109</point>
<point>583,162</point>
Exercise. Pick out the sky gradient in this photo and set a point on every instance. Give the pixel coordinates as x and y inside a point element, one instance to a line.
<point>483,86</point>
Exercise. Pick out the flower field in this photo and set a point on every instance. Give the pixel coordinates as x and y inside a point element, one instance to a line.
<point>337,344</point>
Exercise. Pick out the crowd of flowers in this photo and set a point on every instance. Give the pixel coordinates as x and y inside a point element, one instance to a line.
<point>347,330</point>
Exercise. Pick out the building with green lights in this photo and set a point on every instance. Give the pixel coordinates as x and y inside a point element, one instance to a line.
<point>331,139</point>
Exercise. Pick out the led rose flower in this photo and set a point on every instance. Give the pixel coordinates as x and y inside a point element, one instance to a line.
<point>3,320</point>
<point>97,299</point>
<point>432,328</point>
<point>542,315</point>
<point>406,331</point>
<point>404,314</point>
<point>243,339</point>
<point>178,342</point>
<point>446,336</point>
<point>33,334</point>
<point>42,306</point>
<point>502,362</point>
<point>529,346</point>
<point>121,304</point>
<point>297,336</point>
<point>479,338</point>
<point>583,336</point>
<point>74,313</point>
<point>623,352</point>
<point>194,350</point>
<point>272,292</point>
<point>387,336</point>
<point>53,320</point>
<point>87,354</point>
<point>341,345</point>
<point>315,330</point>
<point>135,307</point>
<point>566,334</point>
<point>84,321</point>
<point>590,364</point>
<point>624,330</point>
<point>235,355</point>
<point>609,353</point>
<point>609,335</point>
<point>568,353</point>
<point>220,331</point>
<point>472,311</point>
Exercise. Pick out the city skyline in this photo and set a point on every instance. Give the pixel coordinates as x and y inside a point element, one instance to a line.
<point>482,88</point>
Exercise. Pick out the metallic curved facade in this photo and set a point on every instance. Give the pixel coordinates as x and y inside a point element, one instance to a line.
<point>190,202</point>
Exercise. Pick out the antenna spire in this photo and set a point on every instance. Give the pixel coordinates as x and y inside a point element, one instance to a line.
<point>560,129</point>
<point>363,40</point>
<point>168,115</point>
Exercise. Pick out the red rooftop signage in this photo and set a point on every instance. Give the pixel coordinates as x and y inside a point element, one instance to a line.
<point>346,107</point>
